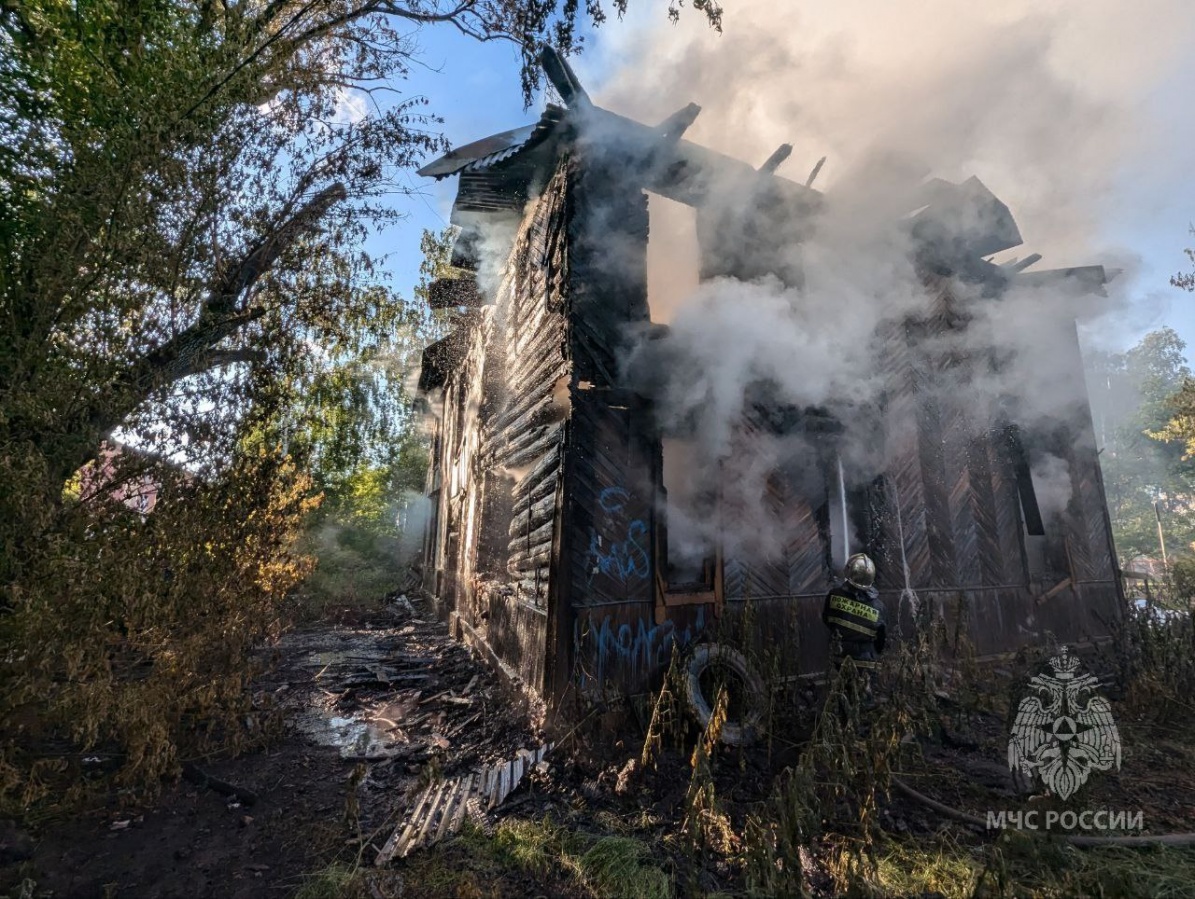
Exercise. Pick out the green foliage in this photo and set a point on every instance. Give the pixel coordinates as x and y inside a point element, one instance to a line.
<point>1135,397</point>
<point>610,866</point>
<point>561,861</point>
<point>131,639</point>
<point>183,207</point>
<point>1156,658</point>
<point>336,881</point>
<point>1020,865</point>
<point>622,866</point>
<point>1182,574</point>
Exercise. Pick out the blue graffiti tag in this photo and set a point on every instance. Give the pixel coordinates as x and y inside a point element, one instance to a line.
<point>637,647</point>
<point>624,560</point>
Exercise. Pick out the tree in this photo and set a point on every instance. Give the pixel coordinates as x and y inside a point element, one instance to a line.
<point>181,197</point>
<point>182,208</point>
<point>1144,462</point>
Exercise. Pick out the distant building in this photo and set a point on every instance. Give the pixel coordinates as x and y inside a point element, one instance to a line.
<point>103,475</point>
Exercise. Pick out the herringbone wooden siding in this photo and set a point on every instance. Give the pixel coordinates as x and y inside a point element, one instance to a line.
<point>1010,524</point>
<point>904,468</point>
<point>985,512</point>
<point>761,568</point>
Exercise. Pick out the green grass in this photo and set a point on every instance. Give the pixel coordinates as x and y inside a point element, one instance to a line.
<point>336,881</point>
<point>621,866</point>
<point>909,868</point>
<point>1023,865</point>
<point>559,860</point>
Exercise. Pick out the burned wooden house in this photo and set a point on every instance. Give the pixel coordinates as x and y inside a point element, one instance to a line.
<point>548,542</point>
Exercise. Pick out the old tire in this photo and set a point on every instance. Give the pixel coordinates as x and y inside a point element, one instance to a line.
<point>734,732</point>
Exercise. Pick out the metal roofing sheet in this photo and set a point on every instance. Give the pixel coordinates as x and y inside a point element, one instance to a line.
<point>494,149</point>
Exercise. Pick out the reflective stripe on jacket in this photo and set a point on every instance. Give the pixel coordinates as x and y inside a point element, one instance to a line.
<point>857,618</point>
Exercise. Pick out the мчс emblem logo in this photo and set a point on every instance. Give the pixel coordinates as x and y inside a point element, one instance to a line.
<point>1065,731</point>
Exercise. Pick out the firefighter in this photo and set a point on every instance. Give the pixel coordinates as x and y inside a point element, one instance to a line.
<point>853,613</point>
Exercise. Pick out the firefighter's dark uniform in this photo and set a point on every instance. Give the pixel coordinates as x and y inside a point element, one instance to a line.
<point>858,618</point>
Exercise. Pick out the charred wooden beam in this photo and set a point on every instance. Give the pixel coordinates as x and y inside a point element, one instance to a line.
<point>545,487</point>
<point>524,418</point>
<point>1081,279</point>
<point>537,584</point>
<point>963,220</point>
<point>439,359</point>
<point>541,333</point>
<point>519,442</point>
<point>534,517</point>
<point>547,466</point>
<point>780,154</point>
<point>549,367</point>
<point>690,173</point>
<point>816,170</point>
<point>529,560</point>
<point>1019,265</point>
<point>678,123</point>
<point>677,169</point>
<point>531,540</point>
<point>563,78</point>
<point>533,450</point>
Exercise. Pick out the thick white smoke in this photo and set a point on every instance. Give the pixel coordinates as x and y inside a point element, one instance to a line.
<point>1039,100</point>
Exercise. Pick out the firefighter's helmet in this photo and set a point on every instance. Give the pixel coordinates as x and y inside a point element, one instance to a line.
<point>860,571</point>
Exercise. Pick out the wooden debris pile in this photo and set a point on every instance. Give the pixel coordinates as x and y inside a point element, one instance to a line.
<point>440,810</point>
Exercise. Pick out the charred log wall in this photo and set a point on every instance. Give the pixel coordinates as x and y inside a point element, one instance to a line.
<point>499,448</point>
<point>950,495</point>
<point>612,448</point>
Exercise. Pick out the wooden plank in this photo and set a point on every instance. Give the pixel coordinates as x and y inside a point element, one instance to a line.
<point>545,488</point>
<point>546,469</point>
<point>1006,494</point>
<point>429,816</point>
<point>455,798</point>
<point>984,513</point>
<point>465,795</point>
<point>533,408</point>
<point>542,369</point>
<point>517,443</point>
<point>402,834</point>
<point>545,440</point>
<point>524,560</point>
<point>533,518</point>
<point>533,539</point>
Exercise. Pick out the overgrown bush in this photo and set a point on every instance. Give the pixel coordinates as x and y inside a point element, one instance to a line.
<point>1155,651</point>
<point>1182,574</point>
<point>845,769</point>
<point>126,637</point>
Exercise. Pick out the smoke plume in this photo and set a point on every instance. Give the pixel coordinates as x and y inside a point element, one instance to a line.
<point>1038,100</point>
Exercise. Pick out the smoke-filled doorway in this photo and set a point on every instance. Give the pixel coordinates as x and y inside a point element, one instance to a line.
<point>688,514</point>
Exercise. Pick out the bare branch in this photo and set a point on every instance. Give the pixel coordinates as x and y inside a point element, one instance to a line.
<point>264,253</point>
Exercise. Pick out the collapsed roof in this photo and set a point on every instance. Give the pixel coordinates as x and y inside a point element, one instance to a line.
<point>965,222</point>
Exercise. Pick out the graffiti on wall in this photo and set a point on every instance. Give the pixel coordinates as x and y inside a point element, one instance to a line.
<point>624,560</point>
<point>638,647</point>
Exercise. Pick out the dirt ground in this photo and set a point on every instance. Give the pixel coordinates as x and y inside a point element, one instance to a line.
<point>382,704</point>
<point>375,705</point>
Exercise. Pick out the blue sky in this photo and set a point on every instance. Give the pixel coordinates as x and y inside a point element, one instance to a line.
<point>1146,213</point>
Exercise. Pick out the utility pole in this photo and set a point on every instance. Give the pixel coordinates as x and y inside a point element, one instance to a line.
<point>1162,539</point>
